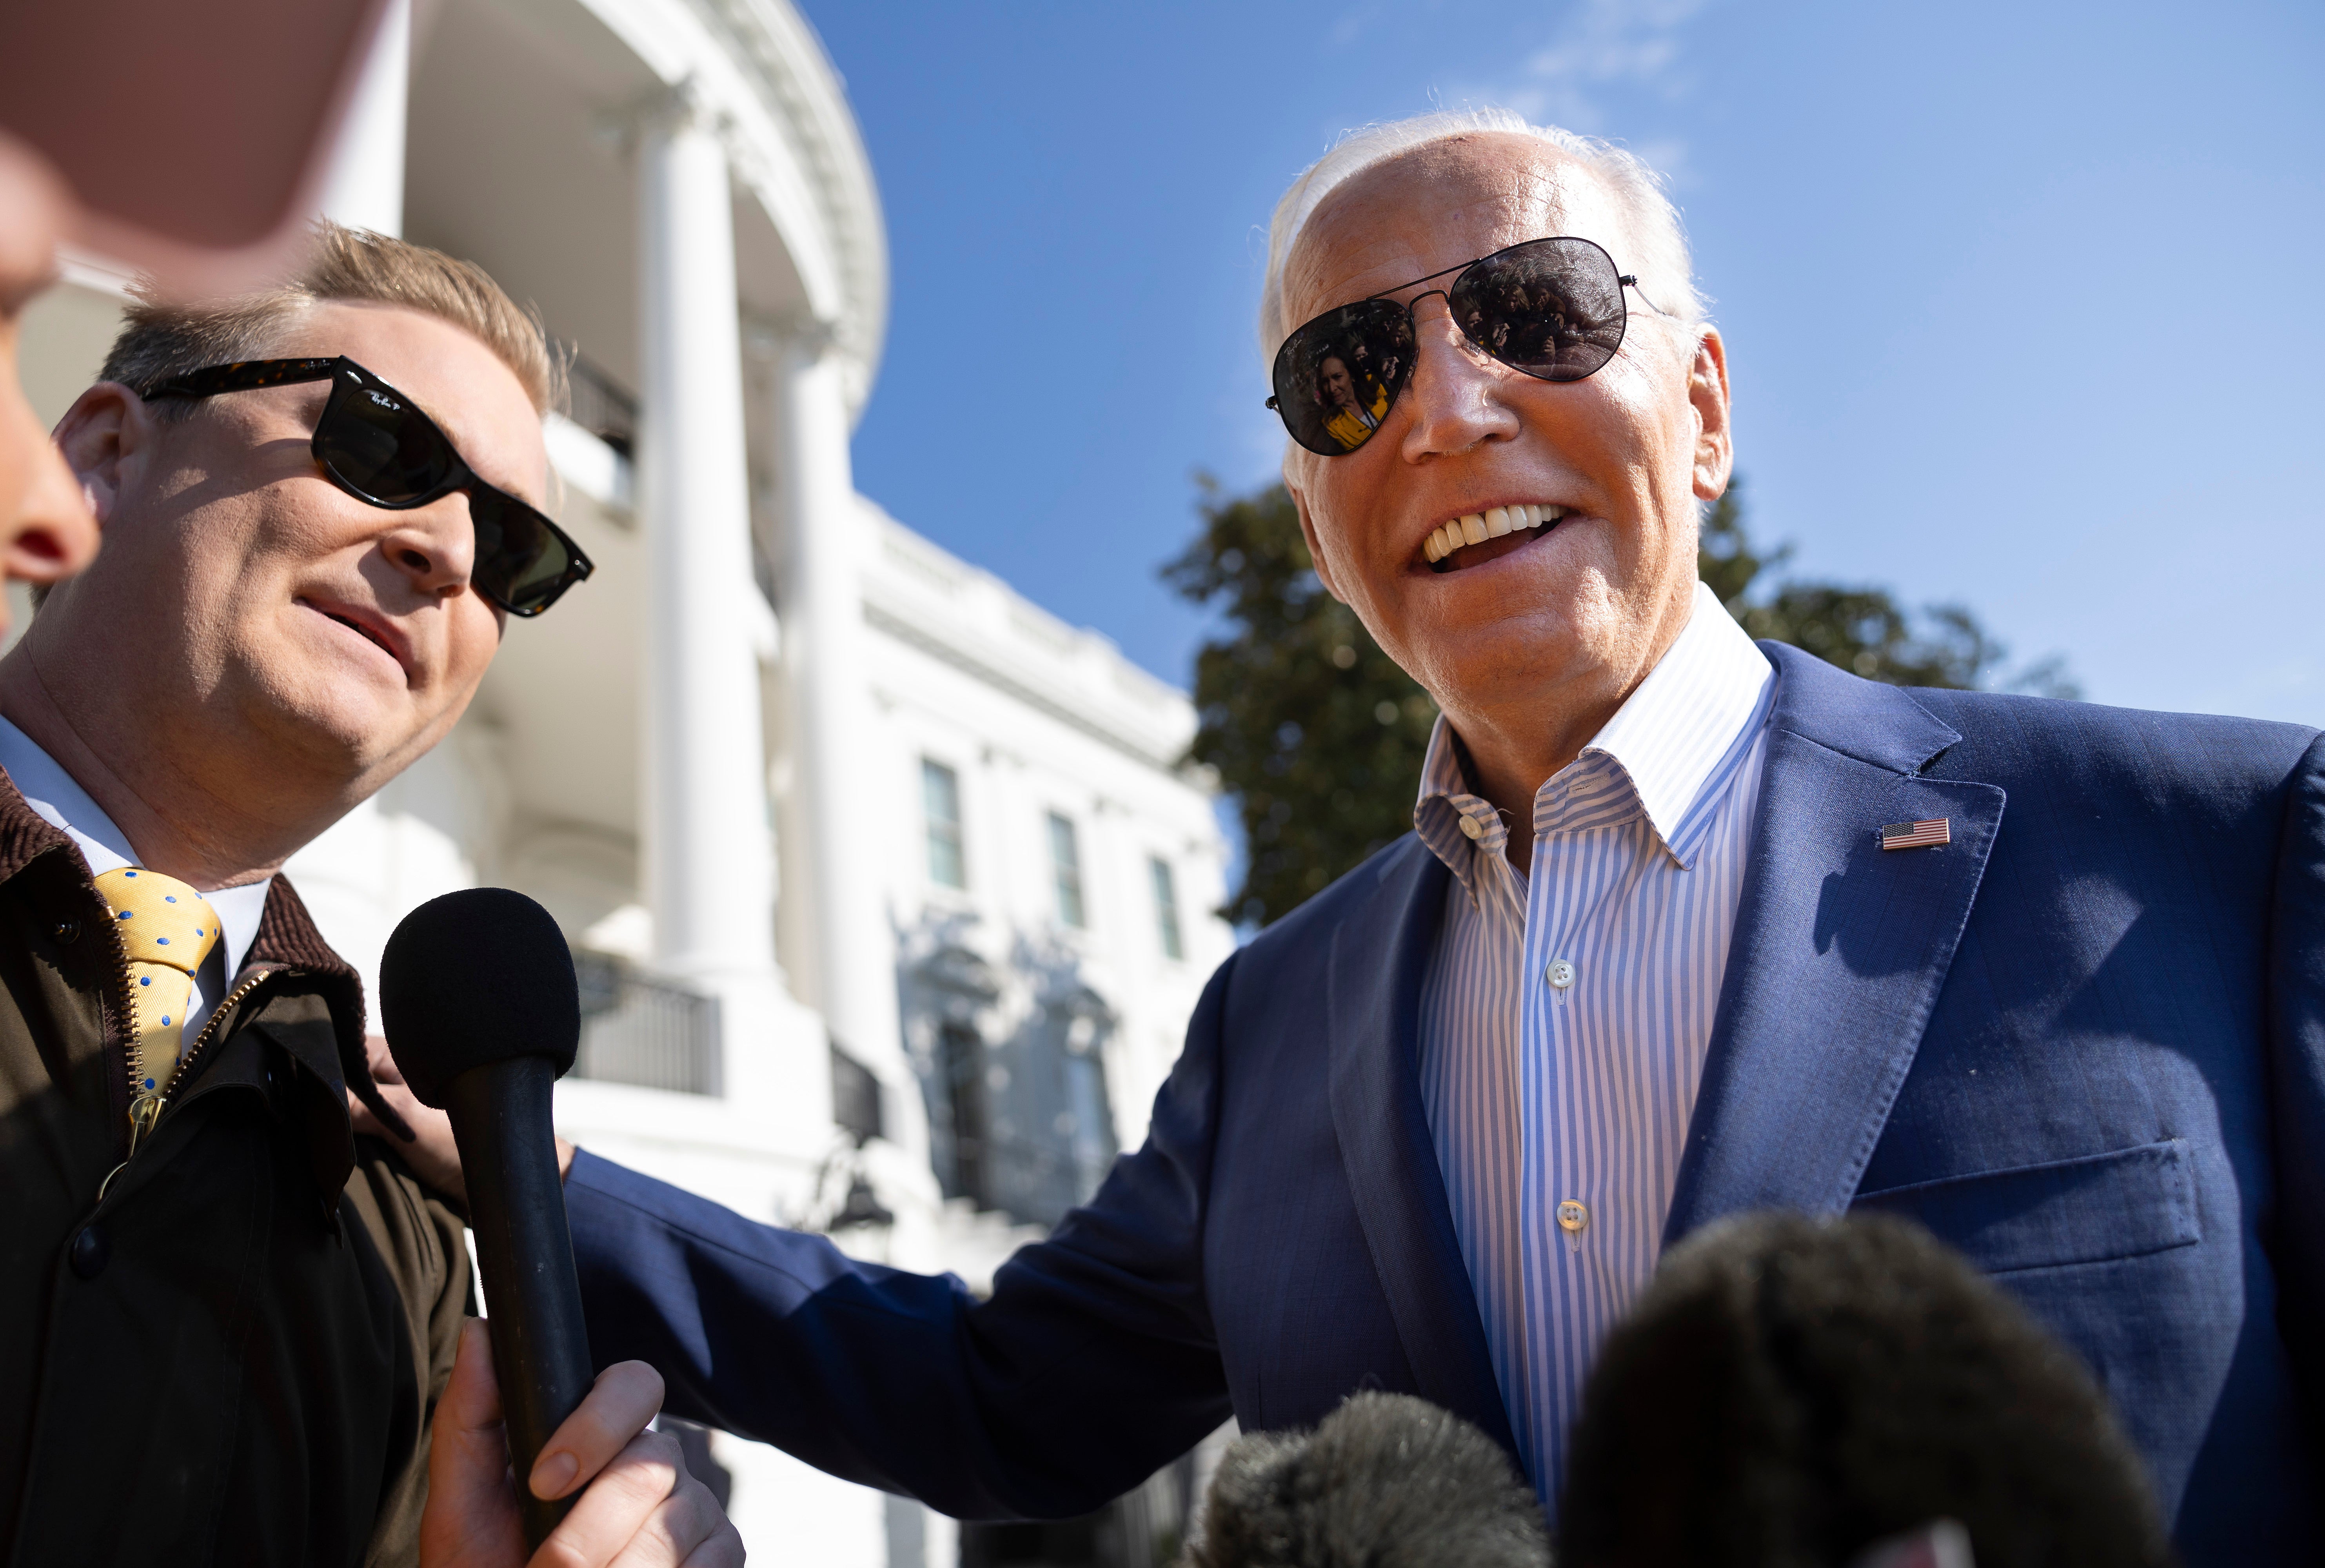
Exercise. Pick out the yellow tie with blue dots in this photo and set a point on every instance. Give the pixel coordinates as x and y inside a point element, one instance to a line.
<point>167,929</point>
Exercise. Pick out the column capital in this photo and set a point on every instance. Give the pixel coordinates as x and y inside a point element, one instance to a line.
<point>667,109</point>
<point>800,332</point>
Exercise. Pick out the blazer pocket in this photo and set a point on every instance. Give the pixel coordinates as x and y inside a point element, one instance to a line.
<point>2102,1206</point>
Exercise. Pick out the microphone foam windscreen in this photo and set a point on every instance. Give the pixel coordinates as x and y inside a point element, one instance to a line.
<point>477,976</point>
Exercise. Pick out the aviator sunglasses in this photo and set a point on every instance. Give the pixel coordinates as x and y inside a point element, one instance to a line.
<point>374,444</point>
<point>1550,307</point>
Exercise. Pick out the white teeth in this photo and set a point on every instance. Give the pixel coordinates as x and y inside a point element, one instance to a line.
<point>1492,523</point>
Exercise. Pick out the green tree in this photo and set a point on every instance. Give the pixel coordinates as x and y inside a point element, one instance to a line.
<point>1319,737</point>
<point>1309,726</point>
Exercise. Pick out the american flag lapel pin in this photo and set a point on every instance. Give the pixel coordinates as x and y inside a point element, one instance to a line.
<point>1927,834</point>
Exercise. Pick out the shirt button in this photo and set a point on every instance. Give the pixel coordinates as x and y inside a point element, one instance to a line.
<point>1572,1216</point>
<point>1561,972</point>
<point>1471,826</point>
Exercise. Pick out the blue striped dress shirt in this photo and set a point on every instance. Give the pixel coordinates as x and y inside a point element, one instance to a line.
<point>1564,1016</point>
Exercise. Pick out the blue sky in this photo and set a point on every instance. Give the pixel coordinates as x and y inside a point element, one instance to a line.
<point>2020,298</point>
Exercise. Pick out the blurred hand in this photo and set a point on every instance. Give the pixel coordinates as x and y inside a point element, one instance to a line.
<point>640,1509</point>
<point>431,1153</point>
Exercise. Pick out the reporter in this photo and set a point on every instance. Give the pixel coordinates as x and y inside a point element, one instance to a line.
<point>259,648</point>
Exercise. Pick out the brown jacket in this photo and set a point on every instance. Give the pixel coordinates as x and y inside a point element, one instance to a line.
<point>234,1357</point>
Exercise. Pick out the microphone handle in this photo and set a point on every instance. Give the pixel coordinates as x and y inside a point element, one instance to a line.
<point>501,1117</point>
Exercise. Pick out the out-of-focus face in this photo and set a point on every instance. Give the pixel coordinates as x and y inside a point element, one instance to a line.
<point>46,529</point>
<point>1579,611</point>
<point>254,604</point>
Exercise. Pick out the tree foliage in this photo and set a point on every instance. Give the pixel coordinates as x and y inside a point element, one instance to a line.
<point>1310,727</point>
<point>1319,737</point>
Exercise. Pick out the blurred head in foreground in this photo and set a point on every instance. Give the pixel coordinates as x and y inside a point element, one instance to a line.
<point>1791,1392</point>
<point>46,531</point>
<point>1386,1481</point>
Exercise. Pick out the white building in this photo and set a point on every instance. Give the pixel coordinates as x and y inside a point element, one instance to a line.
<point>889,897</point>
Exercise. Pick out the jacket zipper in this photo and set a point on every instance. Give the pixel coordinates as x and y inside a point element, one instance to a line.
<point>145,1106</point>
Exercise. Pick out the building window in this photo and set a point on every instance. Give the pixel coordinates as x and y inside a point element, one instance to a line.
<point>1166,906</point>
<point>963,1165</point>
<point>1066,871</point>
<point>941,804</point>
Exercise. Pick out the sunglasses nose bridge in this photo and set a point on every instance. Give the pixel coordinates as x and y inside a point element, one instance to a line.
<point>435,542</point>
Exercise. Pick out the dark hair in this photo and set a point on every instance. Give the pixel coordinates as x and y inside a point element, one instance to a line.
<point>1386,1481</point>
<point>1789,1391</point>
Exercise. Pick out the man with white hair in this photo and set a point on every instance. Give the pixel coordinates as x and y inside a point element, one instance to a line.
<point>1687,927</point>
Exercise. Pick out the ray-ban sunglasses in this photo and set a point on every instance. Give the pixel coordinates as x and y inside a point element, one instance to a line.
<point>1550,307</point>
<point>374,444</point>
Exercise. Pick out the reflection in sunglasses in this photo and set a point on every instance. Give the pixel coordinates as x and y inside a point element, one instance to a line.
<point>1552,308</point>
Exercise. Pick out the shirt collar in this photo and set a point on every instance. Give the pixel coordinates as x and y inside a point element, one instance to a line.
<point>1672,736</point>
<point>55,796</point>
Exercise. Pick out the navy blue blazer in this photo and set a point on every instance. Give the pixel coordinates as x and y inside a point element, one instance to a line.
<point>2084,1043</point>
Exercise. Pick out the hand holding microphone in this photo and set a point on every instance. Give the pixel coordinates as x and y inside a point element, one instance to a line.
<point>477,990</point>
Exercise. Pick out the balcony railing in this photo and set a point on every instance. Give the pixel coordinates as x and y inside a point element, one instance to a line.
<point>647,1032</point>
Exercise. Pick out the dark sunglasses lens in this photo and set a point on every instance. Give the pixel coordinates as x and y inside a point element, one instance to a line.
<point>1336,377</point>
<point>1552,308</point>
<point>521,561</point>
<point>381,445</point>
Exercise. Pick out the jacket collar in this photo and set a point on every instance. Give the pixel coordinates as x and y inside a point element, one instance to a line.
<point>287,938</point>
<point>1379,952</point>
<point>1841,947</point>
<point>287,935</point>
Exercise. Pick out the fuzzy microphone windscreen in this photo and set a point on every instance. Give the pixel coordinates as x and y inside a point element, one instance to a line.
<point>477,976</point>
<point>1792,1390</point>
<point>1384,1482</point>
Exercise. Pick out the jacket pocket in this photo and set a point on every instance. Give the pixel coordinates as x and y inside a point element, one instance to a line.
<point>2103,1206</point>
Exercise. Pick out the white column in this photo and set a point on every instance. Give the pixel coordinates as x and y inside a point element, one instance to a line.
<point>365,188</point>
<point>708,848</point>
<point>842,812</point>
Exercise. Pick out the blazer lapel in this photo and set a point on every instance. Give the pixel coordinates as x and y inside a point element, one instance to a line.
<point>1841,947</point>
<point>1380,951</point>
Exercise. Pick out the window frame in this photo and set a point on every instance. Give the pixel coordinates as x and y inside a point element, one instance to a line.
<point>1163,886</point>
<point>930,826</point>
<point>1067,882</point>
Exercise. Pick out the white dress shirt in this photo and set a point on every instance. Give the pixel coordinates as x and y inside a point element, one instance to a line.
<point>51,792</point>
<point>1564,1016</point>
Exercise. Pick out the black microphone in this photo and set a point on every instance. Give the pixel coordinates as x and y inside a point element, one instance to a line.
<point>478,995</point>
